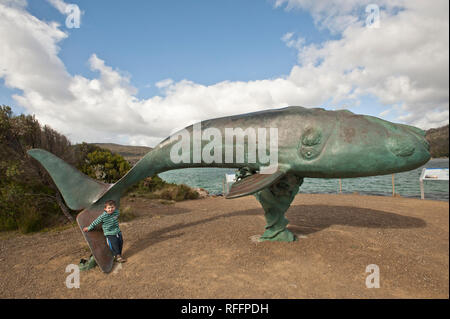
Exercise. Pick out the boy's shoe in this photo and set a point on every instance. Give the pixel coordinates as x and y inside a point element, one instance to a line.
<point>120,259</point>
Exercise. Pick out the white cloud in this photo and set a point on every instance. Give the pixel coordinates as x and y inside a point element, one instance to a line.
<point>404,62</point>
<point>14,3</point>
<point>338,15</point>
<point>60,5</point>
<point>164,83</point>
<point>291,42</point>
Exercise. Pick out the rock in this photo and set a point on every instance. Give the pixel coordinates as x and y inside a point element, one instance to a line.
<point>203,193</point>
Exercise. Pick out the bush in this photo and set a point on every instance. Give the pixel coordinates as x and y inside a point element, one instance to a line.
<point>156,188</point>
<point>152,184</point>
<point>178,193</point>
<point>7,221</point>
<point>30,220</point>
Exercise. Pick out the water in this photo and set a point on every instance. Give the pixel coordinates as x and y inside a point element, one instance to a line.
<point>406,183</point>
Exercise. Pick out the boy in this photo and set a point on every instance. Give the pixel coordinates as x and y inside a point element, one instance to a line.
<point>110,226</point>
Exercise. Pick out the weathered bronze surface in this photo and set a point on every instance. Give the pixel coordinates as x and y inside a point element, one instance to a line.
<point>275,201</point>
<point>312,143</point>
<point>96,240</point>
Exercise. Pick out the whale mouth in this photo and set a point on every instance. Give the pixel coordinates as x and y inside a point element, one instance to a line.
<point>426,144</point>
<point>420,134</point>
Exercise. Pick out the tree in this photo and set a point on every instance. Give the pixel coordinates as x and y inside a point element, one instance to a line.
<point>25,186</point>
<point>104,165</point>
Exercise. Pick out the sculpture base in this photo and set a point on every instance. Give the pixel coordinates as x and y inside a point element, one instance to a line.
<point>275,201</point>
<point>284,235</point>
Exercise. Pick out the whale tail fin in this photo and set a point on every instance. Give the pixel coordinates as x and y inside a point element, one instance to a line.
<point>78,190</point>
<point>81,192</point>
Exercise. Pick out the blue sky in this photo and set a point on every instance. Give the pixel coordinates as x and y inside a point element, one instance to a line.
<point>204,41</point>
<point>232,49</point>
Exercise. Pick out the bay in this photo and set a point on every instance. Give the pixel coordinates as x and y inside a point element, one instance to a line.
<point>406,183</point>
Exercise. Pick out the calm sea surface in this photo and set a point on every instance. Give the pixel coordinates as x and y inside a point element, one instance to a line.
<point>406,183</point>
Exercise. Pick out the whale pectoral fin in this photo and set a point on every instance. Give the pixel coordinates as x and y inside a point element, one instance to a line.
<point>252,184</point>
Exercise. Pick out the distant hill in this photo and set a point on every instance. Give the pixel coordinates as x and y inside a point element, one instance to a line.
<point>438,139</point>
<point>131,153</point>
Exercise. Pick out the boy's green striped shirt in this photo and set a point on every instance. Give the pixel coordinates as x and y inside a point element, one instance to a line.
<point>110,223</point>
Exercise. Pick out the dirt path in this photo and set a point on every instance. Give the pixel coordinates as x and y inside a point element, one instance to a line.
<point>204,249</point>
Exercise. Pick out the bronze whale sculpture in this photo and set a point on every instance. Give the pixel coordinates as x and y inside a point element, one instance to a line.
<point>309,142</point>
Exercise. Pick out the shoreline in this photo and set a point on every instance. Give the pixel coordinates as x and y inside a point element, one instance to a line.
<point>360,194</point>
<point>406,183</point>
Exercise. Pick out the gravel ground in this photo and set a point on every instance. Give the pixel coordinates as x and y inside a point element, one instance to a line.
<point>206,248</point>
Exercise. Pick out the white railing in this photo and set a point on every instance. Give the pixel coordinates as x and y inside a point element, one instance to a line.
<point>432,174</point>
<point>228,180</point>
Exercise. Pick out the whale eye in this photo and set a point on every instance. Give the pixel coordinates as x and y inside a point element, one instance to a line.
<point>308,152</point>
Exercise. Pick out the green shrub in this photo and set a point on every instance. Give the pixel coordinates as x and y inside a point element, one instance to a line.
<point>152,184</point>
<point>30,220</point>
<point>156,188</point>
<point>7,221</point>
<point>178,193</point>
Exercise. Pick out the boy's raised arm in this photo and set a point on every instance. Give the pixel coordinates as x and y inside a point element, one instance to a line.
<point>97,221</point>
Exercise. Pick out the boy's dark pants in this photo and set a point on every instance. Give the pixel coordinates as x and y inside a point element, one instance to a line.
<point>115,243</point>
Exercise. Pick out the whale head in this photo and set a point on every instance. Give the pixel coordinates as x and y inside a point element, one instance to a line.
<point>350,145</point>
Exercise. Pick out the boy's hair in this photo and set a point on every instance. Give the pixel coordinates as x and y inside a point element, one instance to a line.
<point>110,203</point>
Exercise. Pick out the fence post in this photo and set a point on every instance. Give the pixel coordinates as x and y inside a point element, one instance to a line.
<point>393,185</point>
<point>422,190</point>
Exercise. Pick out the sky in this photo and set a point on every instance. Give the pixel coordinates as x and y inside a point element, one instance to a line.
<point>132,72</point>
